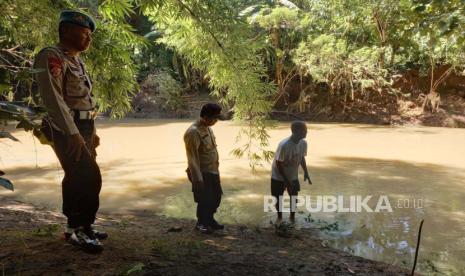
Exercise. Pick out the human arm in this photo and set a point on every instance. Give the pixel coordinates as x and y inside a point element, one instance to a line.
<point>303,164</point>
<point>50,81</point>
<point>192,143</point>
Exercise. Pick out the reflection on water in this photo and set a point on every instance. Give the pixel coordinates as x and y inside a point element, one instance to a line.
<point>143,164</point>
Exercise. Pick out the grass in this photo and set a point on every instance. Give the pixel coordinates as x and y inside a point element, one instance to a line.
<point>135,268</point>
<point>177,248</point>
<point>47,230</point>
<point>323,225</point>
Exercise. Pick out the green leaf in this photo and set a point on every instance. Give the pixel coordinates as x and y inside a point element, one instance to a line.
<point>8,135</point>
<point>6,184</point>
<point>27,125</point>
<point>420,8</point>
<point>136,268</point>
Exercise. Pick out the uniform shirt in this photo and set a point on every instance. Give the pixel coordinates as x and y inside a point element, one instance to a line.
<point>202,154</point>
<point>291,155</point>
<point>63,85</point>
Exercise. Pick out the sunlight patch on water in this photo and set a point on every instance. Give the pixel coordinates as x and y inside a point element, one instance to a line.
<point>143,163</point>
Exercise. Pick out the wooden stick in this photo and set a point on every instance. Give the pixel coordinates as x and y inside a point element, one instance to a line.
<point>418,248</point>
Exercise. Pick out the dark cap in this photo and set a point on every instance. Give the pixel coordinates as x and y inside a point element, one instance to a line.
<point>212,111</point>
<point>78,18</point>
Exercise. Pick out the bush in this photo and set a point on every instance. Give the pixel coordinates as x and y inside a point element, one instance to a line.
<point>347,71</point>
<point>160,91</point>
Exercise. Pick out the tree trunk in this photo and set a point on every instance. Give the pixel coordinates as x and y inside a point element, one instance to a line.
<point>279,64</point>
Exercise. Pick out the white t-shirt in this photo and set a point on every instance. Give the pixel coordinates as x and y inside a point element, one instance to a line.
<point>291,155</point>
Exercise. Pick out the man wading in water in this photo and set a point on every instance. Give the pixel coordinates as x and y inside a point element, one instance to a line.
<point>289,156</point>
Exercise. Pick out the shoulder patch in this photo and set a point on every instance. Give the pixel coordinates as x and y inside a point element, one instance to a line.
<point>55,66</point>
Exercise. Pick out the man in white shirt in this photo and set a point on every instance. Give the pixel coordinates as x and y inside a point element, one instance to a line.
<point>289,156</point>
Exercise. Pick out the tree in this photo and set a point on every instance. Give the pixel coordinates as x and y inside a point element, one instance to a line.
<point>28,26</point>
<point>282,25</point>
<point>440,39</point>
<point>213,37</point>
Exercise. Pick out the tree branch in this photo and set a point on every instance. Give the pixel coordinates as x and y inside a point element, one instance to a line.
<point>200,21</point>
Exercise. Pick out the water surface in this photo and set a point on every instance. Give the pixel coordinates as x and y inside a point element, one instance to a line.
<point>143,164</point>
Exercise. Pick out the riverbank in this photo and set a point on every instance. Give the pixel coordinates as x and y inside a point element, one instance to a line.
<point>143,163</point>
<point>380,110</point>
<point>147,244</point>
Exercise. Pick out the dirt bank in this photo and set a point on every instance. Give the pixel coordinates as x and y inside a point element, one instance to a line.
<point>401,105</point>
<point>380,110</point>
<point>146,244</point>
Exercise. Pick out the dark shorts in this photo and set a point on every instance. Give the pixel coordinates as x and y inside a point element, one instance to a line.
<point>278,187</point>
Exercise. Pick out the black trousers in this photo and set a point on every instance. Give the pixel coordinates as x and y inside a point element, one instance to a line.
<point>277,190</point>
<point>208,198</point>
<point>82,181</point>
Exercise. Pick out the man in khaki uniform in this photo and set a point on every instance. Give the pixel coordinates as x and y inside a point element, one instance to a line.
<point>203,164</point>
<point>66,92</point>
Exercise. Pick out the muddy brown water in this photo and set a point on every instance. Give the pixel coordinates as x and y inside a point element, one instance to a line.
<point>421,170</point>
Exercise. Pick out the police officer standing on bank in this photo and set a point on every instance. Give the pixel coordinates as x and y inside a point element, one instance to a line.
<point>66,92</point>
<point>203,164</point>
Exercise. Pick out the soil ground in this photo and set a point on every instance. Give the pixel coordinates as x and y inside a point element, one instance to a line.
<point>143,243</point>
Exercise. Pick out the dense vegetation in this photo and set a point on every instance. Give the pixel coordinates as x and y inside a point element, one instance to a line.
<point>255,56</point>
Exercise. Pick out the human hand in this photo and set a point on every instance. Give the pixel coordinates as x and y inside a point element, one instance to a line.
<point>307,178</point>
<point>198,185</point>
<point>96,140</point>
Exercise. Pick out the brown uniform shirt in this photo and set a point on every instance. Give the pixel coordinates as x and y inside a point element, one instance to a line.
<point>64,85</point>
<point>201,150</point>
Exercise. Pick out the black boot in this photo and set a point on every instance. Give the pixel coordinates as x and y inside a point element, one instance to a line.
<point>204,229</point>
<point>215,225</point>
<point>86,239</point>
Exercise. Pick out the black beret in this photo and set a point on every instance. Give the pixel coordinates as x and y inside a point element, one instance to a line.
<point>77,18</point>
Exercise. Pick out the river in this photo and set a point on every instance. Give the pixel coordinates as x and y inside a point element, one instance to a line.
<point>419,170</point>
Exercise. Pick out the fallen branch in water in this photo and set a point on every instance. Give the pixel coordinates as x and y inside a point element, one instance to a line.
<point>418,247</point>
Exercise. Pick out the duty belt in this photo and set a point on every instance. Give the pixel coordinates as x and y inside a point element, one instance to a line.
<point>84,114</point>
